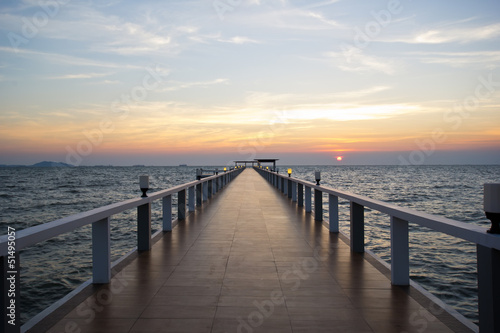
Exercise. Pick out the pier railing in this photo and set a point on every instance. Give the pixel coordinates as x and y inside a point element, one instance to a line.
<point>189,195</point>
<point>488,245</point>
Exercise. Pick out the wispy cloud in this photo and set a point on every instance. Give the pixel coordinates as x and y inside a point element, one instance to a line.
<point>461,35</point>
<point>355,60</point>
<point>64,59</point>
<point>79,76</point>
<point>488,59</point>
<point>239,40</point>
<point>175,85</point>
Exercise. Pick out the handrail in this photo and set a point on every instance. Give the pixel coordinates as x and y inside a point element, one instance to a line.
<point>42,232</point>
<point>99,218</point>
<point>466,231</point>
<point>488,244</point>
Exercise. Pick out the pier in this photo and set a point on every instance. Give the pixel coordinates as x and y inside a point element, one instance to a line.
<point>250,253</point>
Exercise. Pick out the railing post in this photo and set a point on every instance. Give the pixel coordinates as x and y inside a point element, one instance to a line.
<point>357,228</point>
<point>278,182</point>
<point>300,195</point>
<point>294,191</point>
<point>333,208</point>
<point>205,191</point>
<point>199,194</point>
<point>181,205</point>
<point>400,252</point>
<point>285,186</point>
<point>488,277</point>
<point>308,199</point>
<point>10,287</point>
<point>167,212</point>
<point>214,187</point>
<point>289,188</point>
<point>191,199</point>
<point>318,205</point>
<point>144,227</point>
<point>101,251</point>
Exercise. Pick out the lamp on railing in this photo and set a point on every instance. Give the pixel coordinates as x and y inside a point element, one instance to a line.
<point>317,176</point>
<point>225,169</point>
<point>267,168</point>
<point>144,185</point>
<point>492,206</point>
<point>289,172</point>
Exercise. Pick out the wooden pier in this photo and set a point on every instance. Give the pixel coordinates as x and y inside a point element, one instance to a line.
<point>250,260</point>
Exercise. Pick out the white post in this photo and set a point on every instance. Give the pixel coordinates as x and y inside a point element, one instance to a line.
<point>181,205</point>
<point>191,199</point>
<point>101,251</point>
<point>308,199</point>
<point>333,208</point>
<point>400,253</point>
<point>205,191</point>
<point>357,228</point>
<point>144,227</point>
<point>318,205</point>
<point>167,213</point>
<point>199,194</point>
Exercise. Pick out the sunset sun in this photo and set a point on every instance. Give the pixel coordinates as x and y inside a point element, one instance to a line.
<point>339,158</point>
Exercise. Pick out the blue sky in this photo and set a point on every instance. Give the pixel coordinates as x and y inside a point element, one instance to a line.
<point>128,82</point>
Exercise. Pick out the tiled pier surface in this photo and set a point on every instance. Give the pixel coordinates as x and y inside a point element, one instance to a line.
<point>251,261</point>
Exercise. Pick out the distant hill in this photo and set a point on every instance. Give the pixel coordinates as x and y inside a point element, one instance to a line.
<point>44,164</point>
<point>47,164</point>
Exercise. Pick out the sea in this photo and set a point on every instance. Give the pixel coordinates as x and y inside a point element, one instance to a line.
<point>442,264</point>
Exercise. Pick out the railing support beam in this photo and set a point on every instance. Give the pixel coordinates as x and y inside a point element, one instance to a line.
<point>333,208</point>
<point>191,199</point>
<point>318,205</point>
<point>400,252</point>
<point>199,194</point>
<point>300,195</point>
<point>308,199</point>
<point>488,277</point>
<point>181,205</point>
<point>289,188</point>
<point>144,227</point>
<point>101,251</point>
<point>167,212</point>
<point>357,228</point>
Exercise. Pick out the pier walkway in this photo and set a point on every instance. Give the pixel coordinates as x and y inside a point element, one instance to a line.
<point>250,260</point>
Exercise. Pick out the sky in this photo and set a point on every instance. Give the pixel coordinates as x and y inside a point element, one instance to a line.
<point>206,82</point>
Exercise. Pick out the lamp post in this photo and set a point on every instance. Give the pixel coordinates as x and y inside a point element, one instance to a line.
<point>289,172</point>
<point>317,176</point>
<point>492,206</point>
<point>144,185</point>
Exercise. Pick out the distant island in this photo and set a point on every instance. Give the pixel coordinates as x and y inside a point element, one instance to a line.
<point>44,164</point>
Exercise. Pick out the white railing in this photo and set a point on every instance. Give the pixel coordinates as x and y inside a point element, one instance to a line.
<point>488,245</point>
<point>10,245</point>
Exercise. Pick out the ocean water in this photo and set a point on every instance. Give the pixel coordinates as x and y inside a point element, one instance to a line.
<point>444,265</point>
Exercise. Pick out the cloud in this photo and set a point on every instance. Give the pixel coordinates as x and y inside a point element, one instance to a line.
<point>65,59</point>
<point>461,35</point>
<point>79,76</point>
<point>173,85</point>
<point>488,59</point>
<point>352,59</point>
<point>239,40</point>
